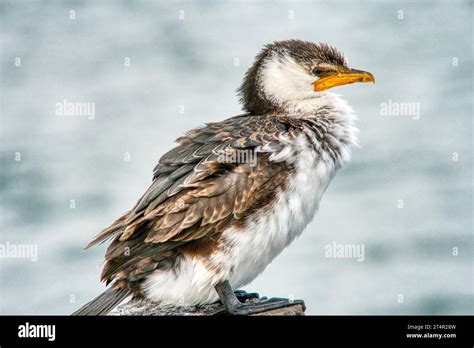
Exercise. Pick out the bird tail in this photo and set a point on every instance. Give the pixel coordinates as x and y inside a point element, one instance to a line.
<point>103,303</point>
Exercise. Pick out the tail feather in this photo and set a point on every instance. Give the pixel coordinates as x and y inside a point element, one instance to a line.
<point>110,232</point>
<point>103,303</point>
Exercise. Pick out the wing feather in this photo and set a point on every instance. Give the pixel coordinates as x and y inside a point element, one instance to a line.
<point>195,195</point>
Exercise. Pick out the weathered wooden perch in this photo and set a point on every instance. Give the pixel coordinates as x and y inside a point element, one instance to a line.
<point>145,308</point>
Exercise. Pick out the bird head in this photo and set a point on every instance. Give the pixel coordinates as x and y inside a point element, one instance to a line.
<point>286,72</point>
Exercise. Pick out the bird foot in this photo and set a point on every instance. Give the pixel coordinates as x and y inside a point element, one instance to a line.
<point>234,306</point>
<point>263,305</point>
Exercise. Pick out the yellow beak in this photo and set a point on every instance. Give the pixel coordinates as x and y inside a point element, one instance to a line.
<point>333,79</point>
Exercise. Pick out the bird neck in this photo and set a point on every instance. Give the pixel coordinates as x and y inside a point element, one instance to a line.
<point>330,120</point>
<point>326,106</point>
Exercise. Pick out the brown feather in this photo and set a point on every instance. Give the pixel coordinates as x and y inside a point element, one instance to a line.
<point>195,196</point>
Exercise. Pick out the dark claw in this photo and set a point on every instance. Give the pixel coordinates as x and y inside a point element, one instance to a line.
<point>243,296</point>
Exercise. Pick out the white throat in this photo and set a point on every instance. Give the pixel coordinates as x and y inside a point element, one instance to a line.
<point>283,80</point>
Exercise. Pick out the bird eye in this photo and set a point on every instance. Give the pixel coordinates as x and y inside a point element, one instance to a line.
<point>317,71</point>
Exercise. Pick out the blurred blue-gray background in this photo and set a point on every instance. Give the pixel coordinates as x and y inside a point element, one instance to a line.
<point>155,69</point>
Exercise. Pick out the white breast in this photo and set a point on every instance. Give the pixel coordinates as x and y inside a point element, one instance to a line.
<point>253,248</point>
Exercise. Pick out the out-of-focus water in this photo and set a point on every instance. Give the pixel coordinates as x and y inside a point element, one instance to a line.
<point>184,72</point>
